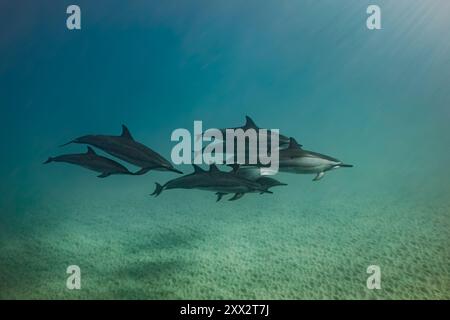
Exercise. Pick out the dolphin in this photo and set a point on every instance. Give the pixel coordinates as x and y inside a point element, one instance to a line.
<point>254,175</point>
<point>127,149</point>
<point>92,161</point>
<point>283,141</point>
<point>213,180</point>
<point>294,159</point>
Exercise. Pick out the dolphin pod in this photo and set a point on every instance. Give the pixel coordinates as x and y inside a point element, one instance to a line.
<point>127,149</point>
<point>242,179</point>
<point>123,147</point>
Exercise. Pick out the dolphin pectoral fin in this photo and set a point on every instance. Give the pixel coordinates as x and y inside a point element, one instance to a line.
<point>319,176</point>
<point>219,196</point>
<point>104,175</point>
<point>236,196</point>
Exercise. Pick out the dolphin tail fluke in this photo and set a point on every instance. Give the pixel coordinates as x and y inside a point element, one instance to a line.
<point>346,165</point>
<point>236,196</point>
<point>50,159</point>
<point>159,188</point>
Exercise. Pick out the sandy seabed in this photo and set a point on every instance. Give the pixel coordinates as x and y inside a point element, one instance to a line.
<point>298,243</point>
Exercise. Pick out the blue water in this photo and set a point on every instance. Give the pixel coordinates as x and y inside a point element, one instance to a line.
<point>376,99</point>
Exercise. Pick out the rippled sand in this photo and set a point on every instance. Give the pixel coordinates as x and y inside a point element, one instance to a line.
<point>307,241</point>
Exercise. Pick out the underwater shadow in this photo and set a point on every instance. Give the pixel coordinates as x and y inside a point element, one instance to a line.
<point>157,264</point>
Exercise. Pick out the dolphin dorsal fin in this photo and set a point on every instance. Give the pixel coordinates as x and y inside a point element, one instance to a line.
<point>126,133</point>
<point>90,151</point>
<point>249,123</point>
<point>293,144</point>
<point>213,168</point>
<point>197,169</point>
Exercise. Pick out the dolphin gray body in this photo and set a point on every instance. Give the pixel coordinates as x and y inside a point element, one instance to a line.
<point>283,141</point>
<point>294,159</point>
<point>213,180</point>
<point>254,175</point>
<point>127,149</point>
<point>92,161</point>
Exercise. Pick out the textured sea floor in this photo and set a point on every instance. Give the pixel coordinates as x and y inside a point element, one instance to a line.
<point>310,241</point>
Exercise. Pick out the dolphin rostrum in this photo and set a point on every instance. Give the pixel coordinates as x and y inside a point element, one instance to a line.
<point>92,161</point>
<point>213,180</point>
<point>297,160</point>
<point>127,149</point>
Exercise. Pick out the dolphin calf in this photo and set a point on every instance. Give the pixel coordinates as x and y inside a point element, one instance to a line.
<point>92,161</point>
<point>127,149</point>
<point>213,180</point>
<point>297,160</point>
